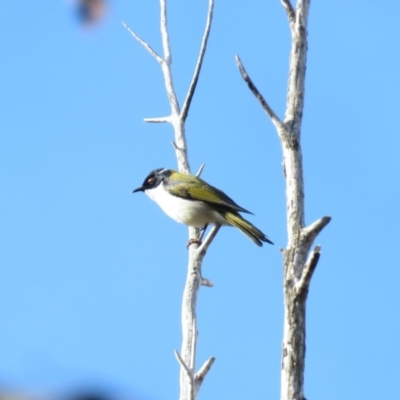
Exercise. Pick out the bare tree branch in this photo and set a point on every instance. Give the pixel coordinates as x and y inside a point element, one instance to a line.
<point>183,364</point>
<point>199,172</point>
<point>274,118</point>
<point>201,374</point>
<point>202,249</point>
<point>164,32</point>
<point>157,120</point>
<point>187,356</point>
<point>311,231</point>
<point>206,282</point>
<point>308,270</point>
<point>298,268</point>
<point>143,43</point>
<point>193,84</point>
<point>297,69</point>
<point>169,86</point>
<point>189,322</point>
<point>289,10</point>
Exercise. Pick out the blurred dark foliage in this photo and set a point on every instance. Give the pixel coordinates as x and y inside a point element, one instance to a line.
<point>91,11</point>
<point>90,394</point>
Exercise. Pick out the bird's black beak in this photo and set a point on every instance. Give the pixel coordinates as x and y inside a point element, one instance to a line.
<point>139,189</point>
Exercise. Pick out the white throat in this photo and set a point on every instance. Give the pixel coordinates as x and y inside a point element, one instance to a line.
<point>189,212</point>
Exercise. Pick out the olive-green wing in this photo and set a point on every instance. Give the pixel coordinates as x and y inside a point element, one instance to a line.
<point>197,189</point>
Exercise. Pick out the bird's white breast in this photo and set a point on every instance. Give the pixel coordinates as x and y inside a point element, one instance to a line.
<point>189,212</point>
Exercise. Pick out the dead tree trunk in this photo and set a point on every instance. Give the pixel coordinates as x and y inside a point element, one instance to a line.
<point>299,262</point>
<point>190,380</point>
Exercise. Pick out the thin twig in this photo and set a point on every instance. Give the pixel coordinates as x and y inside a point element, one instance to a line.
<point>274,118</point>
<point>207,241</point>
<point>206,282</point>
<point>308,270</point>
<point>164,32</point>
<point>157,120</point>
<point>201,374</point>
<point>200,170</point>
<point>311,231</point>
<point>183,364</point>
<point>143,43</point>
<point>169,84</point>
<point>193,84</point>
<point>289,11</point>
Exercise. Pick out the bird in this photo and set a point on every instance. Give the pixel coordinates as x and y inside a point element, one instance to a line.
<point>190,200</point>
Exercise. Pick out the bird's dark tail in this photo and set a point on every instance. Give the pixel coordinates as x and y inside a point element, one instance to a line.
<point>235,219</point>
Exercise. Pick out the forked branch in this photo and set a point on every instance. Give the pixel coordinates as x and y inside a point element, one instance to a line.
<point>289,11</point>
<point>202,249</point>
<point>189,382</point>
<point>299,262</point>
<point>201,374</point>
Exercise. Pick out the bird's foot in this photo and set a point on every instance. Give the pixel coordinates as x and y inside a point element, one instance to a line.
<point>199,239</point>
<point>193,241</point>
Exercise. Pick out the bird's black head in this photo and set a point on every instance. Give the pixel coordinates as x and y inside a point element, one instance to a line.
<point>153,179</point>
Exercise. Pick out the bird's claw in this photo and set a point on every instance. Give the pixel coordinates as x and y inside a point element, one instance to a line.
<point>193,241</point>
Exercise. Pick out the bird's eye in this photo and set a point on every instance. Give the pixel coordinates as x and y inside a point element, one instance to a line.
<point>150,181</point>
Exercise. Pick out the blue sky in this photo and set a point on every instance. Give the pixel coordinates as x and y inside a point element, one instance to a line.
<point>92,276</point>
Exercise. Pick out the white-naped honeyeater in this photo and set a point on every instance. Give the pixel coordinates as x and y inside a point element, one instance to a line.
<point>192,201</point>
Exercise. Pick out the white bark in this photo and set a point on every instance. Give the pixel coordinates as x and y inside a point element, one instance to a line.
<point>299,265</point>
<point>190,380</point>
